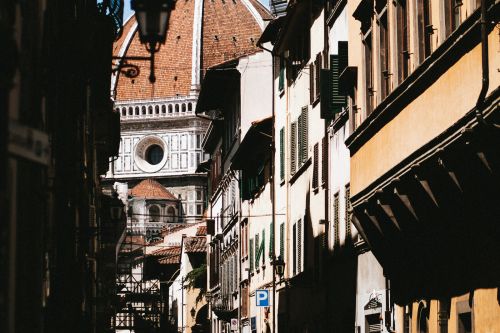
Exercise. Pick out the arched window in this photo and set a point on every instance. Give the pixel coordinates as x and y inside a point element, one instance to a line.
<point>163,109</point>
<point>154,214</point>
<point>157,109</point>
<point>150,110</point>
<point>190,106</point>
<point>170,109</point>
<point>143,109</point>
<point>176,108</point>
<point>423,318</point>
<point>130,111</point>
<point>136,110</point>
<point>183,107</point>
<point>124,112</point>
<point>171,214</point>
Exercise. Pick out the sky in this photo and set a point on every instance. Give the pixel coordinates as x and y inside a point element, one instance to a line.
<point>127,11</point>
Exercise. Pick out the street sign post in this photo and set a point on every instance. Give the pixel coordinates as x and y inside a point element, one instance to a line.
<point>262,297</point>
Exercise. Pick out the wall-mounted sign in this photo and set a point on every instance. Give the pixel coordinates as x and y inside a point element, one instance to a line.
<point>29,143</point>
<point>234,324</point>
<point>262,297</point>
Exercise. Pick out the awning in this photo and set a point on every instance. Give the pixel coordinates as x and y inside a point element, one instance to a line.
<point>271,31</point>
<point>214,86</point>
<point>255,146</point>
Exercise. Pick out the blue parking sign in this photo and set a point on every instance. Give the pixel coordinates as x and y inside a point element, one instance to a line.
<point>262,297</point>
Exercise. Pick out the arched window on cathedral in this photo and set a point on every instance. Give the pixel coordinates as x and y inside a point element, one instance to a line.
<point>130,111</point>
<point>143,109</point>
<point>171,215</point>
<point>124,112</point>
<point>157,109</point>
<point>176,108</point>
<point>170,108</point>
<point>154,213</point>
<point>190,106</point>
<point>150,110</point>
<point>136,110</point>
<point>163,109</point>
<point>183,107</point>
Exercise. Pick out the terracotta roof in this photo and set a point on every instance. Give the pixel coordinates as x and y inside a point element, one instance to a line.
<point>195,244</point>
<point>169,229</point>
<point>171,255</point>
<point>151,189</point>
<point>202,231</point>
<point>228,30</point>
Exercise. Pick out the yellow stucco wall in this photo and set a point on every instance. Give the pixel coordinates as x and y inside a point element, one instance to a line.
<point>485,313</point>
<point>440,106</point>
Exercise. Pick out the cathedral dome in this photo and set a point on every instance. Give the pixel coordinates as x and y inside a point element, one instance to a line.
<point>201,34</point>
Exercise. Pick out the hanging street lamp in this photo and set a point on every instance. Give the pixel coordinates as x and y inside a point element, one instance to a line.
<point>152,18</point>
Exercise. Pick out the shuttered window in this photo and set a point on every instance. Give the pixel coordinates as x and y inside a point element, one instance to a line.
<point>282,240</point>
<point>336,217</point>
<point>315,166</point>
<point>260,248</point>
<point>281,82</point>
<point>317,70</point>
<point>324,159</point>
<point>271,241</point>
<point>299,246</point>
<point>300,133</point>
<point>282,153</point>
<point>312,93</point>
<point>333,100</point>
<point>304,135</point>
<point>251,255</point>
<point>294,249</point>
<point>293,148</point>
<point>347,212</point>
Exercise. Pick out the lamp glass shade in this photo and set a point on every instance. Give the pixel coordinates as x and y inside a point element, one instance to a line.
<point>152,19</point>
<point>279,266</point>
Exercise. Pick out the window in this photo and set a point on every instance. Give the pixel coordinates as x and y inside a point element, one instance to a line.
<point>423,318</point>
<point>303,136</point>
<point>451,15</point>
<point>282,153</point>
<point>315,166</point>
<point>171,214</point>
<point>384,56</point>
<point>299,246</point>
<point>336,218</point>
<point>199,209</point>
<point>300,50</point>
<point>324,159</point>
<point>157,109</point>
<point>348,212</point>
<point>251,254</point>
<point>282,240</point>
<point>425,29</point>
<point>369,89</point>
<point>402,39</point>
<point>150,110</point>
<point>293,148</point>
<point>154,154</point>
<point>281,82</point>
<point>154,214</point>
<point>294,249</point>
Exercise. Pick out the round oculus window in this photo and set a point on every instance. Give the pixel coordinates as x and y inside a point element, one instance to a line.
<point>154,154</point>
<point>150,154</point>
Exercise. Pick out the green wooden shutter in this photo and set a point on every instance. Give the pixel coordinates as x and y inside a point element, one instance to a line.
<point>315,166</point>
<point>325,79</point>
<point>299,246</point>
<point>339,100</point>
<point>343,63</point>
<point>293,148</point>
<point>271,240</point>
<point>336,231</point>
<point>347,212</point>
<point>281,83</point>
<point>299,141</point>
<point>312,93</point>
<point>282,240</point>
<point>282,153</point>
<point>251,255</point>
<point>304,137</point>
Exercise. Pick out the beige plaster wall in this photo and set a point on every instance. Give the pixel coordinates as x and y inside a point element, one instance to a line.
<point>440,106</point>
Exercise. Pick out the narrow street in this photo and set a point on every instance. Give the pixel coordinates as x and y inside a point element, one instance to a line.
<point>249,166</point>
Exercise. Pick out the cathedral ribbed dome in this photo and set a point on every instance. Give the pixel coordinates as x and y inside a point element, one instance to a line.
<point>201,34</point>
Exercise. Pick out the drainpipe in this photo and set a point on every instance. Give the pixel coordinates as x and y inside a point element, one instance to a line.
<point>484,65</point>
<point>273,190</point>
